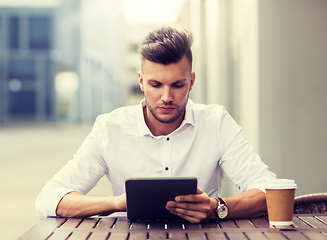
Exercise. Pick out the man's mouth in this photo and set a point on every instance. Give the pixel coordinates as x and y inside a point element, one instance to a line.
<point>166,109</point>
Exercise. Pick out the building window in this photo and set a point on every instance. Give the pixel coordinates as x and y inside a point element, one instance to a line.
<point>22,103</point>
<point>13,30</point>
<point>22,69</point>
<point>39,33</point>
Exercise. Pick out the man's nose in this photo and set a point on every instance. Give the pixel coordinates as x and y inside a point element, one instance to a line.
<point>167,95</point>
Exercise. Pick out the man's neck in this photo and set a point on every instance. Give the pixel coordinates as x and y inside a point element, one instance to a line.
<point>160,129</point>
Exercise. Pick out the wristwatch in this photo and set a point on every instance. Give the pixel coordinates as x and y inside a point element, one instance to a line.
<point>222,209</point>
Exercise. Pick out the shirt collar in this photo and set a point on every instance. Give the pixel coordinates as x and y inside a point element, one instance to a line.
<point>143,128</point>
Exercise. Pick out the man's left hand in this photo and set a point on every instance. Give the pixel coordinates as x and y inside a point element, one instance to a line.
<point>194,208</point>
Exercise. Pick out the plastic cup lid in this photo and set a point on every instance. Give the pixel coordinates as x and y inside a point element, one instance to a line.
<point>281,184</point>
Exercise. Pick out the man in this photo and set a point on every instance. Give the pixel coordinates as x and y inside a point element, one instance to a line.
<point>166,135</point>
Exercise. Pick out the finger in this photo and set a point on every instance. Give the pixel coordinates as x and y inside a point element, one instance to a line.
<point>170,205</point>
<point>196,199</point>
<point>200,196</point>
<point>196,207</point>
<point>191,216</point>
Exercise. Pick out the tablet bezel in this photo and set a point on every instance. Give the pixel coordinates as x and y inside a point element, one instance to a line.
<point>146,198</point>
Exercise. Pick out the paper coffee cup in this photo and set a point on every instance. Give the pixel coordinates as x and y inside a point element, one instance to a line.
<point>280,201</point>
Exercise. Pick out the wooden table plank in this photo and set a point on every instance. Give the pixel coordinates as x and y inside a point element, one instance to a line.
<point>118,236</point>
<point>323,218</point>
<point>314,235</point>
<point>157,225</point>
<point>300,223</point>
<point>260,222</point>
<point>215,235</point>
<point>88,223</point>
<point>105,223</point>
<point>157,236</point>
<point>71,223</point>
<point>138,236</point>
<point>196,236</point>
<point>236,236</point>
<point>294,235</point>
<point>309,227</point>
<point>314,222</point>
<point>208,225</point>
<point>121,223</point>
<point>141,225</point>
<point>79,235</point>
<point>43,229</point>
<point>98,235</point>
<point>256,235</point>
<point>275,236</point>
<point>59,235</point>
<point>177,236</point>
<point>175,225</point>
<point>227,224</point>
<point>192,226</point>
<point>244,223</point>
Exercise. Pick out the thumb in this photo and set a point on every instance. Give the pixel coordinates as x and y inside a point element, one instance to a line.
<point>198,191</point>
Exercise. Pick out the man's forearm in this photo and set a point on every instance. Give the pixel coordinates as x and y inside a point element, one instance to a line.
<point>250,203</point>
<point>75,204</point>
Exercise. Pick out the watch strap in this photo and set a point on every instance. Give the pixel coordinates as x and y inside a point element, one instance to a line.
<point>221,205</point>
<point>220,201</point>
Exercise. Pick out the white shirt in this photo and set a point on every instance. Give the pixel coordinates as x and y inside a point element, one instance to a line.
<point>207,145</point>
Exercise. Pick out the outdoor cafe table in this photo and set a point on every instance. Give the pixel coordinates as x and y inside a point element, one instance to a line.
<point>306,226</point>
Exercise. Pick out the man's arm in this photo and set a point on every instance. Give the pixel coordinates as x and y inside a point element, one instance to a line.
<point>199,207</point>
<point>250,203</point>
<point>75,204</point>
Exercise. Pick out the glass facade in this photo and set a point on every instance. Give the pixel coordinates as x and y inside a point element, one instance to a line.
<point>26,69</point>
<point>39,33</point>
<point>13,33</point>
<point>22,103</point>
<point>22,69</point>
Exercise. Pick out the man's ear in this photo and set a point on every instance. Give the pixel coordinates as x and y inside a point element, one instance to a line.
<point>192,80</point>
<point>141,81</point>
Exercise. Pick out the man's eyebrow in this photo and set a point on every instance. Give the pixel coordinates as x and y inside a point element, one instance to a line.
<point>180,80</point>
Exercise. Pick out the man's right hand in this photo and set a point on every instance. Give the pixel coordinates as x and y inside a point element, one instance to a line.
<point>75,204</point>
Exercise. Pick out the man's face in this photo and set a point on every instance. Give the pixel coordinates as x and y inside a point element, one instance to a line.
<point>166,89</point>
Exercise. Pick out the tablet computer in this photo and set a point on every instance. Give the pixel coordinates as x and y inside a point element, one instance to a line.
<point>146,198</point>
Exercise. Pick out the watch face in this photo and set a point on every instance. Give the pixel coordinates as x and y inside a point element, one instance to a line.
<point>222,212</point>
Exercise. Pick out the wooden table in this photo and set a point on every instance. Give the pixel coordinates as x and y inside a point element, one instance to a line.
<point>306,226</point>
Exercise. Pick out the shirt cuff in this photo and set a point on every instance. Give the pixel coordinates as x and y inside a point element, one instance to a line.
<point>47,202</point>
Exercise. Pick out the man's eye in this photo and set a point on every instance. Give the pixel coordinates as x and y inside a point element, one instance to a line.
<point>155,85</point>
<point>179,85</point>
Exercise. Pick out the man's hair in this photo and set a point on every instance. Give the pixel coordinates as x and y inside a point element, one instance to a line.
<point>166,45</point>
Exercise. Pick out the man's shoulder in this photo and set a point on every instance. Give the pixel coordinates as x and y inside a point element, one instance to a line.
<point>207,110</point>
<point>119,115</point>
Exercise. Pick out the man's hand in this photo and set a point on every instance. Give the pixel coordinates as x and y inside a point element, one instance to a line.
<point>194,208</point>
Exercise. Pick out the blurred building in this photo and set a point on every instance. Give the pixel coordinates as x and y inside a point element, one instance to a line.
<point>65,63</point>
<point>91,57</point>
<point>26,67</point>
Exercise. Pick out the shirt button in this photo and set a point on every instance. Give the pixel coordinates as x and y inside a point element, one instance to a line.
<point>167,138</point>
<point>166,168</point>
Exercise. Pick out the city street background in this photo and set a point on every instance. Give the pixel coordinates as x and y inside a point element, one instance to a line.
<point>29,156</point>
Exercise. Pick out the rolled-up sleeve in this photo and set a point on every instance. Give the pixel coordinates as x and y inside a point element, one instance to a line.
<point>80,174</point>
<point>239,163</point>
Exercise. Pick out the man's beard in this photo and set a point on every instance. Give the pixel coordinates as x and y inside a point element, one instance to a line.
<point>180,111</point>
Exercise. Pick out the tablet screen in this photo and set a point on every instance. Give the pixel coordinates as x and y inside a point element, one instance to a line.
<point>146,198</point>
